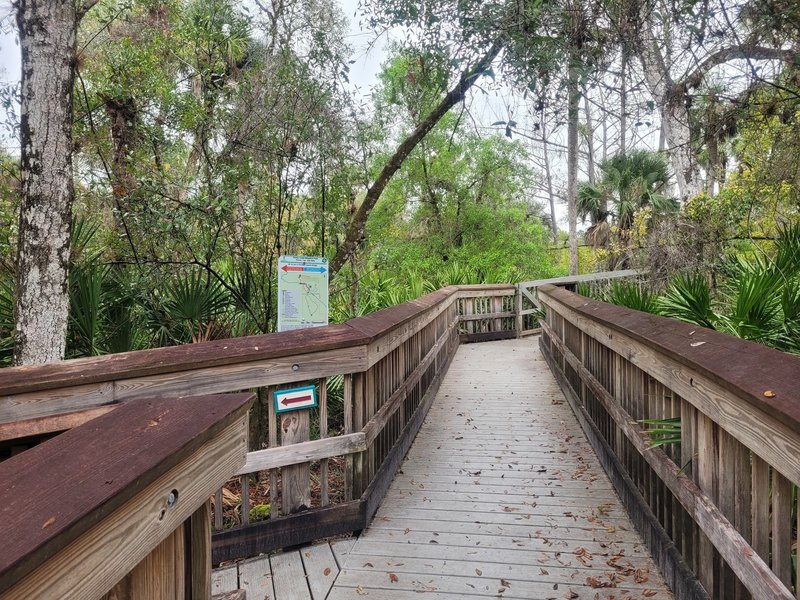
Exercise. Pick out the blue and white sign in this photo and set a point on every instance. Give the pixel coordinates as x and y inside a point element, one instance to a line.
<point>302,292</point>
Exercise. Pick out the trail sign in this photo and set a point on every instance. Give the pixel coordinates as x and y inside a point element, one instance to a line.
<point>302,292</point>
<point>295,399</point>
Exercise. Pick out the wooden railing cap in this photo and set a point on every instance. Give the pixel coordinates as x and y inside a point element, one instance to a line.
<point>142,363</point>
<point>765,377</point>
<point>384,321</point>
<point>56,491</point>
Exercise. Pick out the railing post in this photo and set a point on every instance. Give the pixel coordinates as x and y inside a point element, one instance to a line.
<point>518,310</point>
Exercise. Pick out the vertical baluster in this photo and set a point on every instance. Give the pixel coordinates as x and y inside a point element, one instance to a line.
<point>706,459</point>
<point>782,527</point>
<point>743,500</point>
<point>273,443</point>
<point>244,483</point>
<point>370,404</point>
<point>323,433</point>
<point>359,460</point>
<point>760,507</point>
<point>348,428</point>
<point>727,500</point>
<point>218,509</point>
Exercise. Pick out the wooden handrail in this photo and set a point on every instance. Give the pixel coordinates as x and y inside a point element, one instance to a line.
<point>728,483</point>
<point>83,509</point>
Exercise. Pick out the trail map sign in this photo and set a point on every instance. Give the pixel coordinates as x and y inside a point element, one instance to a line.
<point>302,292</point>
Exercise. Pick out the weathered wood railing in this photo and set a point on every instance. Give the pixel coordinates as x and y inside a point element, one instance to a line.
<point>391,363</point>
<point>118,507</point>
<point>721,504</point>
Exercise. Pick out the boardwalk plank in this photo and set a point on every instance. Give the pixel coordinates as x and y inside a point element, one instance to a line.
<point>321,569</point>
<point>341,548</point>
<point>500,496</point>
<point>255,578</point>
<point>289,577</point>
<point>224,580</point>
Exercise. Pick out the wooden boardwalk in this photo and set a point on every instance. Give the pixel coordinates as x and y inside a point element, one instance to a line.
<point>499,497</point>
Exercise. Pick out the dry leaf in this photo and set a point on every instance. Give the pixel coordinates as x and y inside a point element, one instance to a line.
<point>479,572</point>
<point>49,522</point>
<point>596,583</point>
<point>361,591</point>
<point>505,583</point>
<point>769,394</point>
<point>695,344</point>
<point>393,578</point>
<point>406,530</point>
<point>640,576</point>
<point>648,593</point>
<point>370,565</point>
<point>327,571</point>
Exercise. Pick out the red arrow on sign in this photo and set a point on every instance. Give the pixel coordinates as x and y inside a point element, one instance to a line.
<point>287,268</point>
<point>296,400</point>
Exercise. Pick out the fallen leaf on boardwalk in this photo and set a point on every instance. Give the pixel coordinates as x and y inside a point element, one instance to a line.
<point>327,571</point>
<point>649,593</point>
<point>393,578</point>
<point>596,583</point>
<point>769,394</point>
<point>406,530</point>
<point>584,556</point>
<point>479,572</point>
<point>543,571</point>
<point>49,522</point>
<point>361,591</point>
<point>695,344</point>
<point>505,583</point>
<point>370,565</point>
<point>570,595</point>
<point>640,576</point>
<point>509,509</point>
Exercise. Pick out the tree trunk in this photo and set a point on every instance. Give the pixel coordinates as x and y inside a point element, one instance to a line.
<point>623,100</point>
<point>548,174</point>
<point>47,32</point>
<point>355,231</point>
<point>590,167</point>
<point>572,164</point>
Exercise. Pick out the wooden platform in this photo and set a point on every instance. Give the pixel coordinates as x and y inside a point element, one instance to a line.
<point>500,496</point>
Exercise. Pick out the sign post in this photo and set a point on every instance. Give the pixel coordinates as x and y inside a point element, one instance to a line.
<point>302,292</point>
<point>302,303</point>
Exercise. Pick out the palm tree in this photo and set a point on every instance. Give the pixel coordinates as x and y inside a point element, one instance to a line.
<point>630,183</point>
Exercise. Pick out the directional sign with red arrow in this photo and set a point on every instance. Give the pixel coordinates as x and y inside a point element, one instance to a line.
<point>295,399</point>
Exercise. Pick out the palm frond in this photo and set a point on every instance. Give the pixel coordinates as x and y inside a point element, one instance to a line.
<point>688,299</point>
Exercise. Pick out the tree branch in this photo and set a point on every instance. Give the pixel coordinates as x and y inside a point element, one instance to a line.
<point>355,232</point>
<point>740,51</point>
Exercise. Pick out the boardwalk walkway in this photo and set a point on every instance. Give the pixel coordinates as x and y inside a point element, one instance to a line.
<point>500,496</point>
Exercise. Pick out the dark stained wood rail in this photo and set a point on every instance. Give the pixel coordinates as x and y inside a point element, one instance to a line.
<point>722,504</point>
<point>82,510</point>
<point>391,363</point>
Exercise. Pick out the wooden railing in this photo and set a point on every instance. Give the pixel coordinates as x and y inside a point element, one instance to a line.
<point>381,371</point>
<point>119,507</point>
<point>721,503</point>
<point>390,364</point>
